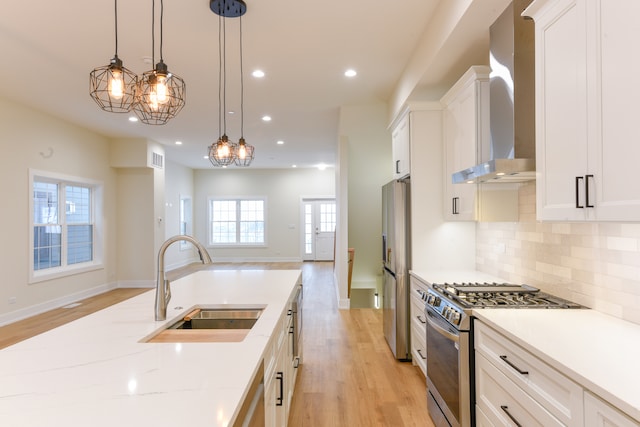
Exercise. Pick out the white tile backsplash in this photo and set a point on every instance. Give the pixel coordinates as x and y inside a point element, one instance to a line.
<point>591,263</point>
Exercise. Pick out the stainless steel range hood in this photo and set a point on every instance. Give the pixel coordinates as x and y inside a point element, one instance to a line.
<point>511,155</point>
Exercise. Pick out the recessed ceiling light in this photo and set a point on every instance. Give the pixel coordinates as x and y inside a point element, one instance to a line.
<point>178,142</point>
<point>266,118</point>
<point>294,166</point>
<point>258,73</point>
<point>280,142</point>
<point>133,119</point>
<point>231,112</point>
<point>350,73</point>
<point>322,166</point>
<point>205,157</point>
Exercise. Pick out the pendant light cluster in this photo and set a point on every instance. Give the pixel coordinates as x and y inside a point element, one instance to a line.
<point>155,97</point>
<point>224,152</point>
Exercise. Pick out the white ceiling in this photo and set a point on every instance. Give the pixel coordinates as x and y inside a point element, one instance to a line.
<point>304,47</point>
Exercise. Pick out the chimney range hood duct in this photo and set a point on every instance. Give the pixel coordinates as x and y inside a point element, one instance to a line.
<point>512,107</point>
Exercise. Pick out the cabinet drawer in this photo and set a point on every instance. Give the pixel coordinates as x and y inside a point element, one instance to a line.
<point>503,403</point>
<point>557,393</point>
<point>417,311</point>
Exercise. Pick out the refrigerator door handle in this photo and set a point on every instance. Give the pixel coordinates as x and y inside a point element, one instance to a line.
<point>384,248</point>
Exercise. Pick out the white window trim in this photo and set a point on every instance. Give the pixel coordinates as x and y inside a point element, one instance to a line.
<point>184,245</point>
<point>236,245</point>
<point>97,204</point>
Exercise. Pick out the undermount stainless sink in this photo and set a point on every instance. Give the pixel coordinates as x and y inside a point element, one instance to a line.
<point>219,318</point>
<point>210,324</point>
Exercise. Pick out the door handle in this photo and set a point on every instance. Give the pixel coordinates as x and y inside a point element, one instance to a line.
<point>397,166</point>
<point>578,205</point>
<point>586,190</point>
<point>280,399</point>
<point>513,365</point>
<point>454,207</point>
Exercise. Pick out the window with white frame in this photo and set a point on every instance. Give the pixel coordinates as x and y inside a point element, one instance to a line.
<point>237,221</point>
<point>63,228</point>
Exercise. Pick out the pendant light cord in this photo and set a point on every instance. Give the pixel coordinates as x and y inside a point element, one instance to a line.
<point>241,86</point>
<point>116,16</point>
<point>153,32</point>
<point>222,74</point>
<point>161,29</point>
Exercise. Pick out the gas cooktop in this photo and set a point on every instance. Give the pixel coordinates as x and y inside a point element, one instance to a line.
<point>497,295</point>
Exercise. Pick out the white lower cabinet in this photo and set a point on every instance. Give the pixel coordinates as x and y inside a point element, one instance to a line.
<point>598,413</point>
<point>418,324</point>
<point>275,409</point>
<point>280,373</point>
<point>514,387</point>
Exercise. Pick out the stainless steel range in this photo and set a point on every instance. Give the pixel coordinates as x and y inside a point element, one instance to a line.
<point>450,364</point>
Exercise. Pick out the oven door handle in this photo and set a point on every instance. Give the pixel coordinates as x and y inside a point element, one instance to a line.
<point>442,331</point>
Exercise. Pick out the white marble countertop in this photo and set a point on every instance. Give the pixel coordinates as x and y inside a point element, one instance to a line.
<point>598,351</point>
<point>95,371</point>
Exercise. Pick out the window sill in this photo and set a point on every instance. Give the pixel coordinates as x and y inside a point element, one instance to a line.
<point>60,272</point>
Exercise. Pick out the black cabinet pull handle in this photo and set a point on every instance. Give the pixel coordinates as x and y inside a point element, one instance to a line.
<point>424,322</point>
<point>422,355</point>
<point>280,399</point>
<point>586,190</point>
<point>454,207</point>
<point>296,363</point>
<point>505,408</point>
<point>578,205</point>
<point>397,166</point>
<point>508,362</point>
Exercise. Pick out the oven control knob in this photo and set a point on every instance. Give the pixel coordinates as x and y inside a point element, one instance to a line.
<point>456,317</point>
<point>433,300</point>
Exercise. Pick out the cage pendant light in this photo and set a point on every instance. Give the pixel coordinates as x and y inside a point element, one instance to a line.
<point>244,152</point>
<point>113,86</point>
<point>160,94</point>
<point>223,152</point>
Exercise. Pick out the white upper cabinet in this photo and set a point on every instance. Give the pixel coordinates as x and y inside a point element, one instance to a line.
<point>586,106</point>
<point>401,146</point>
<point>466,127</point>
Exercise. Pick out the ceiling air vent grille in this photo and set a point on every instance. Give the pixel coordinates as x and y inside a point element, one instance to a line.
<point>157,161</point>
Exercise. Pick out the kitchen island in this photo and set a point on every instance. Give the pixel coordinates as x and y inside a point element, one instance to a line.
<point>99,370</point>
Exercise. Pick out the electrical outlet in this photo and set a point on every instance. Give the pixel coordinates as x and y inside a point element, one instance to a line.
<point>13,300</point>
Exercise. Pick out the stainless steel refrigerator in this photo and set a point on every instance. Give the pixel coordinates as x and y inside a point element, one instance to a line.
<point>396,257</point>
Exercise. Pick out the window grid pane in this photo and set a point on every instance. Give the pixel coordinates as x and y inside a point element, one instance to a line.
<point>223,221</point>
<point>327,217</point>
<point>57,231</point>
<point>308,229</point>
<point>237,222</point>
<point>251,221</point>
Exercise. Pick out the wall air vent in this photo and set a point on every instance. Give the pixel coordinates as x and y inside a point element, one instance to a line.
<point>157,161</point>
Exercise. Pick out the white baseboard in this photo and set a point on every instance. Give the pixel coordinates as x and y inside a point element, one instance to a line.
<point>127,284</point>
<point>254,259</point>
<point>36,309</point>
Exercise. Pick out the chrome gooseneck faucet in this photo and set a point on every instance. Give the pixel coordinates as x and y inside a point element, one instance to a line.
<point>163,288</point>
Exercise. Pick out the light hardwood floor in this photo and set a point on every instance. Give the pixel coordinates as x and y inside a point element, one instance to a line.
<point>348,378</point>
